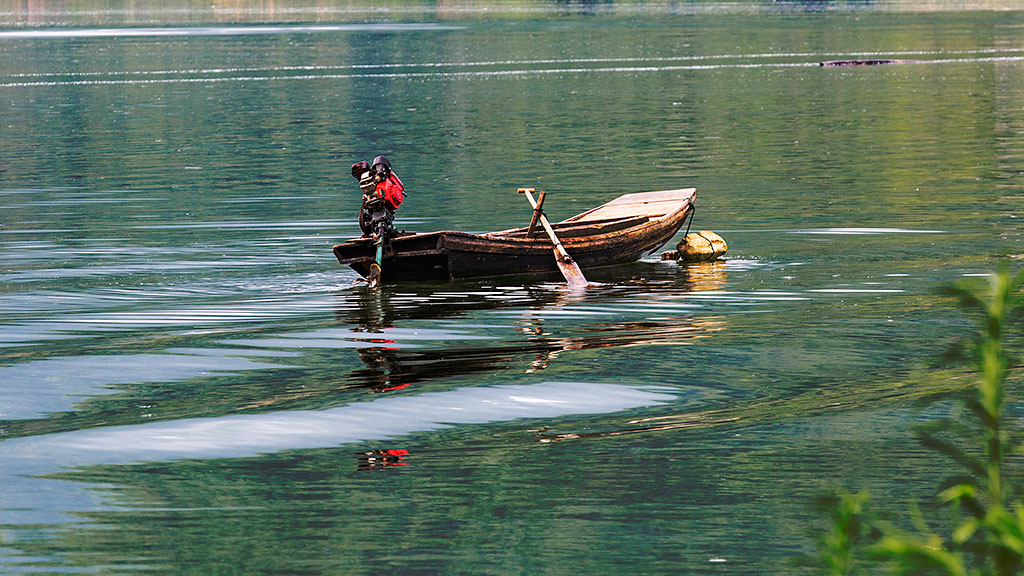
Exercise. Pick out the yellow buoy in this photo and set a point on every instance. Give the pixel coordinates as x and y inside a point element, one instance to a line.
<point>703,246</point>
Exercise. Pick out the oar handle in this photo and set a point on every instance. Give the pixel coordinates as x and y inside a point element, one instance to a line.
<point>537,214</point>
<point>566,265</point>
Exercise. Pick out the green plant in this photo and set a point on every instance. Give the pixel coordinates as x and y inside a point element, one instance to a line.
<point>841,541</point>
<point>986,533</point>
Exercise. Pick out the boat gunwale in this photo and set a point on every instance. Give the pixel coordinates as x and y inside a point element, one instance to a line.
<point>539,242</point>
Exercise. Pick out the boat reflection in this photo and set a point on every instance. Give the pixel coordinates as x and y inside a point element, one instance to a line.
<point>550,321</point>
<point>381,341</point>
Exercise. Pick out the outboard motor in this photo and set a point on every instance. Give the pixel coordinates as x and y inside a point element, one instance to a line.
<point>389,185</point>
<point>381,166</point>
<point>383,193</point>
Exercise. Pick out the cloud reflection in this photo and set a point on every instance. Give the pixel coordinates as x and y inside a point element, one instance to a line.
<point>53,389</point>
<point>249,435</point>
<point>242,435</point>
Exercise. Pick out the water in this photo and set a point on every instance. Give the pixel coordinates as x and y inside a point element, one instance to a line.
<point>190,383</point>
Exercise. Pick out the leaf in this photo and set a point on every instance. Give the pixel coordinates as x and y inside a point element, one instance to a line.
<point>1008,529</point>
<point>958,492</point>
<point>914,556</point>
<point>965,530</point>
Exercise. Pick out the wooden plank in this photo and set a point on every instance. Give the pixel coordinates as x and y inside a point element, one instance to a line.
<point>579,228</point>
<point>652,204</point>
<point>649,209</point>
<point>589,228</point>
<point>678,194</point>
<point>640,205</point>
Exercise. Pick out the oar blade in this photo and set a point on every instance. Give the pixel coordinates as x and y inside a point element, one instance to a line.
<point>573,275</point>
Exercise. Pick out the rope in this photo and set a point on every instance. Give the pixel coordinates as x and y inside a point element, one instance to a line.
<point>693,210</point>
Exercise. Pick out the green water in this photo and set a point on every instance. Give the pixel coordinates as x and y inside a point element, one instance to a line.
<point>189,380</point>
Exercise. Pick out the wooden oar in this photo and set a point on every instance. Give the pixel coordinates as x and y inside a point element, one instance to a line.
<point>568,267</point>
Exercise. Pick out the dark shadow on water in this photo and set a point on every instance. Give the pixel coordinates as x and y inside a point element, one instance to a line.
<point>541,340</point>
<point>383,306</point>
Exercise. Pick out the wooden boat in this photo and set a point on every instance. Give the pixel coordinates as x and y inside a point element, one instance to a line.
<point>624,230</point>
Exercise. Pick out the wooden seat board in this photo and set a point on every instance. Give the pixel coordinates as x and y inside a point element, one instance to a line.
<point>651,204</point>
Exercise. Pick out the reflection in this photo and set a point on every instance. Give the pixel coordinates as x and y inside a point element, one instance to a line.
<point>380,459</point>
<point>669,331</point>
<point>53,391</point>
<point>550,321</point>
<point>389,370</point>
<point>388,305</point>
<point>162,32</point>
<point>380,341</point>
<point>382,363</point>
<point>244,435</point>
<point>33,462</point>
<point>544,435</point>
<point>583,7</point>
<point>225,513</point>
<point>705,276</point>
<point>853,396</point>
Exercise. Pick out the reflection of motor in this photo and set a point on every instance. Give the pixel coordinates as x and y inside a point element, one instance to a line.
<point>384,374</point>
<point>379,458</point>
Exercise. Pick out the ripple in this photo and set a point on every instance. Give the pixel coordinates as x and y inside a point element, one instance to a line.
<point>252,225</point>
<point>562,311</point>
<point>392,338</point>
<point>456,74</point>
<point>78,325</point>
<point>245,311</point>
<point>155,268</point>
<point>58,383</point>
<point>271,70</point>
<point>860,231</point>
<point>858,290</point>
<point>38,231</point>
<point>212,31</point>
<point>81,201</point>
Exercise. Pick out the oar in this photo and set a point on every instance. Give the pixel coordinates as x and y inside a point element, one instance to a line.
<point>568,267</point>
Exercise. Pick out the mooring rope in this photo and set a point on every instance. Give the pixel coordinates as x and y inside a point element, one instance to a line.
<point>693,210</point>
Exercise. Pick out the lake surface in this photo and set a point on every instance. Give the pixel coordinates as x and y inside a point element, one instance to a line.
<point>190,383</point>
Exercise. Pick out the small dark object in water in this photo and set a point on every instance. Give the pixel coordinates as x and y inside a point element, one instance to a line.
<point>864,62</point>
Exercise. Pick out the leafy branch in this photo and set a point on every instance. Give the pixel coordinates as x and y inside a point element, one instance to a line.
<point>986,535</point>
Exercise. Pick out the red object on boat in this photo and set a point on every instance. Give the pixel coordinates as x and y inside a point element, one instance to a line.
<point>391,188</point>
